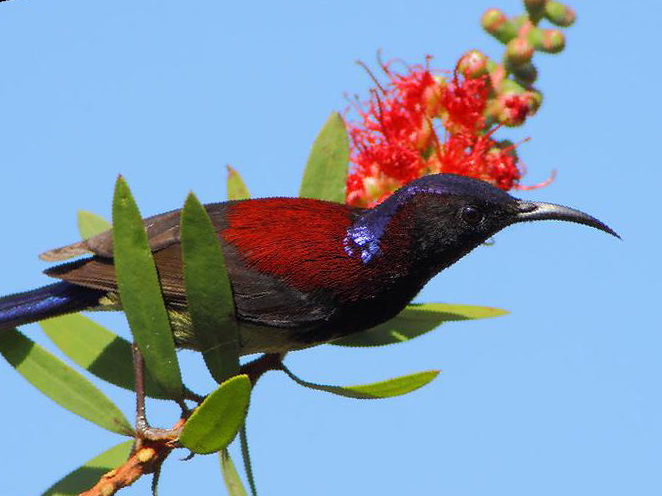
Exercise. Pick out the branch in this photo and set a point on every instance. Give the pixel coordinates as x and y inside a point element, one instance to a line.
<point>145,460</point>
<point>151,454</point>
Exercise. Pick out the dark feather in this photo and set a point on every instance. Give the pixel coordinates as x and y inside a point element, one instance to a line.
<point>260,298</point>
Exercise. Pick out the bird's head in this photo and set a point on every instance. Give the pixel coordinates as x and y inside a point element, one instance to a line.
<point>446,216</point>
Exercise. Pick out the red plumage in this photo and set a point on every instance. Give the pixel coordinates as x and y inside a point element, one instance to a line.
<point>301,241</point>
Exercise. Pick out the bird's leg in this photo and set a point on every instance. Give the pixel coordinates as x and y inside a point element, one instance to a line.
<point>143,430</point>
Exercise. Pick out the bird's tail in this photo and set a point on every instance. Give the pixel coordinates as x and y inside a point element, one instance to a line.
<point>41,303</point>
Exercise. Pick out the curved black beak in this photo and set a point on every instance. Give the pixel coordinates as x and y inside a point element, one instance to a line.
<point>530,211</point>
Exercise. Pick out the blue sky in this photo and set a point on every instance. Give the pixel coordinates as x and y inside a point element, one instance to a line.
<point>561,396</point>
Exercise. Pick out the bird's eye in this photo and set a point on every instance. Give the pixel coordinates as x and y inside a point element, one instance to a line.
<point>471,215</point>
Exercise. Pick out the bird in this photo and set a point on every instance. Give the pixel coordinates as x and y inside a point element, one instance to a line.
<point>302,271</point>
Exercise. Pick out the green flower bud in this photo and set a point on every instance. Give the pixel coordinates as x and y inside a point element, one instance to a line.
<point>535,100</point>
<point>473,64</point>
<point>535,9</point>
<point>525,74</point>
<point>492,112</point>
<point>518,51</point>
<point>553,41</point>
<point>497,24</point>
<point>559,14</point>
<point>519,21</point>
<point>508,86</point>
<point>547,40</point>
<point>534,4</point>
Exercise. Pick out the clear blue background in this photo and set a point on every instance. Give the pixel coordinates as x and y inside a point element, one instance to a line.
<point>562,396</point>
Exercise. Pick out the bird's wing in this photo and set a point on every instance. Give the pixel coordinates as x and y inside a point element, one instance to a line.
<point>162,231</point>
<point>259,298</point>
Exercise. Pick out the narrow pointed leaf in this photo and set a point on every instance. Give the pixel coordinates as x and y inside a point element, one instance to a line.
<point>89,474</point>
<point>140,292</point>
<point>97,350</point>
<point>90,224</point>
<point>246,457</point>
<point>208,292</point>
<point>377,390</point>
<point>215,423</point>
<point>61,383</point>
<point>326,169</point>
<point>230,475</point>
<point>415,320</point>
<point>237,189</point>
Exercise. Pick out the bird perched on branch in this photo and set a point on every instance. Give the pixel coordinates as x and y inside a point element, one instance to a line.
<point>302,271</point>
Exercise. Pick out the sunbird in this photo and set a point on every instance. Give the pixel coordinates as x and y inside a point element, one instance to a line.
<point>303,271</point>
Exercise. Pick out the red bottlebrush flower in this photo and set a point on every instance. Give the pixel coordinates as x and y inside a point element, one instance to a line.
<point>396,160</point>
<point>396,141</point>
<point>381,169</point>
<point>480,157</point>
<point>418,92</point>
<point>464,102</point>
<point>399,113</point>
<point>389,143</point>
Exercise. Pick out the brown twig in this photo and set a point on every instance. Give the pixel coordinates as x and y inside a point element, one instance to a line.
<point>151,452</point>
<point>145,460</point>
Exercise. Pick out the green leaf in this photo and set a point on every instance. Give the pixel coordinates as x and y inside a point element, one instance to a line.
<point>89,474</point>
<point>326,169</point>
<point>415,320</point>
<point>246,456</point>
<point>215,423</point>
<point>377,390</point>
<point>90,224</point>
<point>231,476</point>
<point>97,350</point>
<point>140,293</point>
<point>237,189</point>
<point>61,383</point>
<point>208,292</point>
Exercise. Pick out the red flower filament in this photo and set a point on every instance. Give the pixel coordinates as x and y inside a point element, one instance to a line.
<point>396,138</point>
